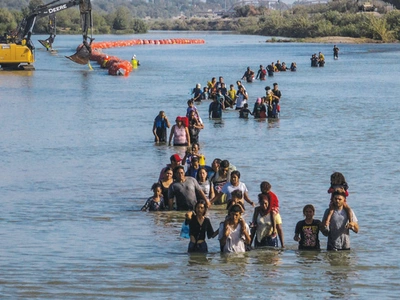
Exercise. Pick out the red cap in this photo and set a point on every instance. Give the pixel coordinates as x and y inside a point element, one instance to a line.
<point>175,158</point>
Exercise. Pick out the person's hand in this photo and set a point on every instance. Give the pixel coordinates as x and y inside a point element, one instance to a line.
<point>189,215</point>
<point>351,225</point>
<point>297,238</point>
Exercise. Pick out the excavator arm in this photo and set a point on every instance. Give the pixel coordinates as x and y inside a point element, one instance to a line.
<point>14,51</point>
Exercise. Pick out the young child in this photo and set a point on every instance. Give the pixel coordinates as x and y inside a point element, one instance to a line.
<point>245,111</point>
<point>232,94</point>
<point>191,107</point>
<point>338,183</point>
<point>236,198</point>
<point>265,188</point>
<point>156,202</point>
<point>307,230</point>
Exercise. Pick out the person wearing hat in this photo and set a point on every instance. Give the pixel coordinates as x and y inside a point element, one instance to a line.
<point>180,133</point>
<point>135,63</point>
<point>175,160</point>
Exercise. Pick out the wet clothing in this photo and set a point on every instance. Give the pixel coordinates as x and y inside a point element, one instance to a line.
<point>308,235</point>
<point>244,113</point>
<point>161,128</point>
<point>338,234</point>
<point>180,136</point>
<point>199,231</point>
<point>184,193</point>
<point>152,205</point>
<point>215,109</point>
<point>206,187</point>
<point>264,228</point>
<point>235,241</point>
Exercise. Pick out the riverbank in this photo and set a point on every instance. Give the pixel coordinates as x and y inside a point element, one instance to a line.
<point>327,40</point>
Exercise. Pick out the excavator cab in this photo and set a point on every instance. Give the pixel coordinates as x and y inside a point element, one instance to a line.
<point>18,50</point>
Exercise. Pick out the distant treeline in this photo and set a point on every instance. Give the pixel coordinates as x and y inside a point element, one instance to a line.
<point>120,21</point>
<point>336,18</point>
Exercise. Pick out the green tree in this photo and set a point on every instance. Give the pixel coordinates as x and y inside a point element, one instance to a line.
<point>122,19</point>
<point>7,21</point>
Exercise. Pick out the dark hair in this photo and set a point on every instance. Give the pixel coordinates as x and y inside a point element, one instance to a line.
<point>198,172</point>
<point>224,164</point>
<point>217,160</point>
<point>262,197</point>
<point>337,179</point>
<point>237,194</point>
<point>265,184</point>
<point>168,169</point>
<point>179,167</point>
<point>236,172</point>
<point>308,206</point>
<point>338,192</point>
<point>193,144</point>
<point>205,205</point>
<point>236,208</point>
<point>156,185</point>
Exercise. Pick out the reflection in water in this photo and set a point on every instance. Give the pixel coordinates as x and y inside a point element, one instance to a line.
<point>340,273</point>
<point>308,258</point>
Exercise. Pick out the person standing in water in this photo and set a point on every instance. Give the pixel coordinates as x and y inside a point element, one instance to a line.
<point>335,52</point>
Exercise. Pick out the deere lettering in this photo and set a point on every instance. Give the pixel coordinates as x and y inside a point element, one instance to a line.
<point>55,9</point>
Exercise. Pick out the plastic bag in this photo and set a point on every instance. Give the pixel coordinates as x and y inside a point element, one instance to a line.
<point>185,231</point>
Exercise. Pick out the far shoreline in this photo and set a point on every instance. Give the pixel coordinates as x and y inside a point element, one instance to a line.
<point>327,40</point>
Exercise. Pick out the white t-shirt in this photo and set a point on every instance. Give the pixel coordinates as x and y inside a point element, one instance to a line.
<point>235,241</point>
<point>228,188</point>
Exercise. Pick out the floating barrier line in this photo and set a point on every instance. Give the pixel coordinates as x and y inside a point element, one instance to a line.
<point>117,66</point>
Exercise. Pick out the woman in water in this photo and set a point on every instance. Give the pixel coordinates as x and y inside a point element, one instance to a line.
<point>199,225</point>
<point>205,183</point>
<point>262,224</point>
<point>180,133</point>
<point>166,181</point>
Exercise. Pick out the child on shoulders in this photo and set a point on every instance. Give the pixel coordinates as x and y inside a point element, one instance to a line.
<point>338,183</point>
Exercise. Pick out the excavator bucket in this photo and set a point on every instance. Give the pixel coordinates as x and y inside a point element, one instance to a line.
<point>82,55</point>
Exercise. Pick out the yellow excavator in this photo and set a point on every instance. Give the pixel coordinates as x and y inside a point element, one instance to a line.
<point>17,51</point>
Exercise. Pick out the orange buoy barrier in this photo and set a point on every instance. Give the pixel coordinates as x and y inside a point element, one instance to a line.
<point>117,66</point>
<point>128,43</point>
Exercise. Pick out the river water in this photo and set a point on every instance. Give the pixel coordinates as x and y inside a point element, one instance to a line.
<point>78,159</point>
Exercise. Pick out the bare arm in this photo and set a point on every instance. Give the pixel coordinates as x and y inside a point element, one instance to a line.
<point>187,135</point>
<point>171,135</point>
<point>170,203</point>
<point>245,232</point>
<point>167,122</point>
<point>280,234</point>
<point>216,197</point>
<point>246,197</point>
<point>211,194</point>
